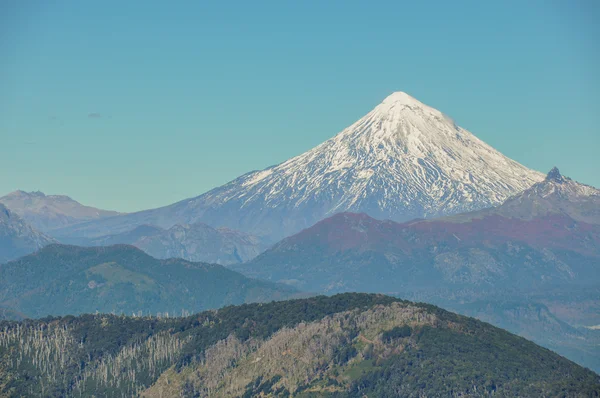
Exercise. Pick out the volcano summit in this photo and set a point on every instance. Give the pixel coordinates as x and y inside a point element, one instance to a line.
<point>402,160</point>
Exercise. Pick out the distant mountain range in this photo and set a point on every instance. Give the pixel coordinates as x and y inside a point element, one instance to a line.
<point>556,195</point>
<point>345,346</point>
<point>17,238</point>
<point>497,247</point>
<point>196,242</point>
<point>353,252</point>
<point>61,280</point>
<point>49,212</point>
<point>541,244</point>
<point>403,202</point>
<point>401,161</point>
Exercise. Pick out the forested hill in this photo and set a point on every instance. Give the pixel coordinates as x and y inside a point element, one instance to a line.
<point>62,279</point>
<point>349,345</point>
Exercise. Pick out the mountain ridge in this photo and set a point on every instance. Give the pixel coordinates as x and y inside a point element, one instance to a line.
<point>347,346</point>
<point>49,212</point>
<point>556,194</point>
<point>17,237</point>
<point>552,221</point>
<point>192,242</point>
<point>65,279</point>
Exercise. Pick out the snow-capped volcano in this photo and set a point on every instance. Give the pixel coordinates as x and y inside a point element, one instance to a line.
<point>402,160</point>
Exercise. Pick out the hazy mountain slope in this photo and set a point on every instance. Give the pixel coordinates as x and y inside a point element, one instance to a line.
<point>349,345</point>
<point>9,314</point>
<point>17,238</point>
<point>60,280</point>
<point>401,161</point>
<point>48,212</point>
<point>200,242</point>
<point>195,242</point>
<point>125,238</point>
<point>535,321</point>
<point>557,194</point>
<point>353,252</point>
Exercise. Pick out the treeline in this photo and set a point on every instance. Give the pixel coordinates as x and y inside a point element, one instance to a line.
<point>114,355</point>
<point>348,345</point>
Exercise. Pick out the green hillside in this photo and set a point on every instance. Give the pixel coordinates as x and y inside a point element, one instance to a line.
<point>61,280</point>
<point>348,345</point>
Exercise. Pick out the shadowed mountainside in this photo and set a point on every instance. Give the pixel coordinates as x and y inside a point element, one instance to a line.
<point>196,242</point>
<point>17,238</point>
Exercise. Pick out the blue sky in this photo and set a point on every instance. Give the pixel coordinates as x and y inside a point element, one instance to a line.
<point>132,105</point>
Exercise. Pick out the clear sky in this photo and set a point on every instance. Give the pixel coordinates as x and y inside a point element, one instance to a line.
<point>129,105</point>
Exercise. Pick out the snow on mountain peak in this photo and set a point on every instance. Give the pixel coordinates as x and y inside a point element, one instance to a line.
<point>400,97</point>
<point>402,160</point>
<point>402,104</point>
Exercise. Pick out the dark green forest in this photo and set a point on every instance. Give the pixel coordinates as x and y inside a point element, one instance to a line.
<point>354,345</point>
<point>61,280</point>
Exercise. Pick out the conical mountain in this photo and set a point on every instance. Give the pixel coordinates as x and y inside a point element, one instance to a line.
<point>402,160</point>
